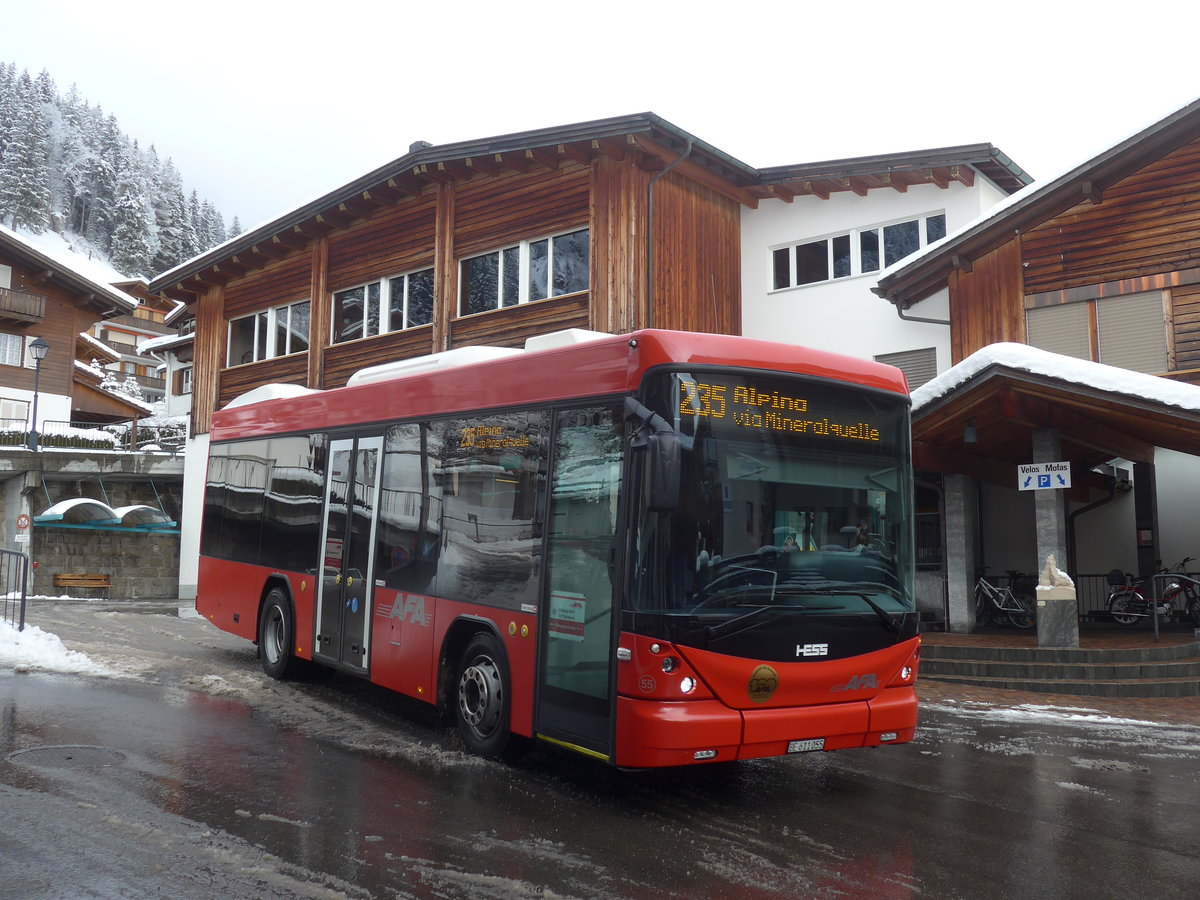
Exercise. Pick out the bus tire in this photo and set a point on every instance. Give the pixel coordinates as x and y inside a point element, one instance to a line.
<point>481,697</point>
<point>277,635</point>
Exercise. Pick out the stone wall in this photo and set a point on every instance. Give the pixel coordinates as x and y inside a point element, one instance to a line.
<point>142,565</point>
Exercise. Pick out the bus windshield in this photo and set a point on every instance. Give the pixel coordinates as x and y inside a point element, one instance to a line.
<point>794,503</point>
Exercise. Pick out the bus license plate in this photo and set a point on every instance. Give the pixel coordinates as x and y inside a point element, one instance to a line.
<point>804,746</point>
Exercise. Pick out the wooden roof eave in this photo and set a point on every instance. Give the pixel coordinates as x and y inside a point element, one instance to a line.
<point>921,276</point>
<point>1004,402</point>
<point>87,351</point>
<point>689,168</point>
<point>104,299</point>
<point>428,164</point>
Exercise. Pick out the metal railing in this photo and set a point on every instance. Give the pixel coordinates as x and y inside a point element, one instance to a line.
<point>1091,592</point>
<point>14,581</point>
<point>96,436</point>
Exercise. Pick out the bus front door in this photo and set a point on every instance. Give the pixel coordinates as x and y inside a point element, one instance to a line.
<point>576,626</point>
<point>344,594</point>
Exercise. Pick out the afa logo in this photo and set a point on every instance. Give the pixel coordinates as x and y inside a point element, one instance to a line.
<point>857,683</point>
<point>409,608</point>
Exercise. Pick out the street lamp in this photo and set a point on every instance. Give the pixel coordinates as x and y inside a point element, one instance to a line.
<point>38,350</point>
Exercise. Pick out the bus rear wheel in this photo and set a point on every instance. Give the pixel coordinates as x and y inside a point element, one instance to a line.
<point>482,697</point>
<point>276,635</point>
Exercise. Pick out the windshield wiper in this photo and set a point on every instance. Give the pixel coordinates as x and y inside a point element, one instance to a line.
<point>740,623</point>
<point>888,619</point>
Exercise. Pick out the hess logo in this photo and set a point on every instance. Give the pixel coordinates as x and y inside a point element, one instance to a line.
<point>812,650</point>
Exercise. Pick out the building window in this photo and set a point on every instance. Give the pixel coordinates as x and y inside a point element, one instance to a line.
<point>391,304</point>
<point>12,349</point>
<point>273,332</point>
<point>918,366</point>
<point>525,272</point>
<point>184,385</point>
<point>410,302</point>
<point>857,252</point>
<point>1128,331</point>
<point>13,413</point>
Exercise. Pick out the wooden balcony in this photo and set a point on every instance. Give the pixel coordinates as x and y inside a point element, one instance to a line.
<point>21,307</point>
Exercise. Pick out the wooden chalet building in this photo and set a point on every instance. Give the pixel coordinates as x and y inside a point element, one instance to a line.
<point>41,296</point>
<point>610,225</point>
<point>1101,264</point>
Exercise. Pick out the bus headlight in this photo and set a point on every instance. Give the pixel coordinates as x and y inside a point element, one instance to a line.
<point>687,685</point>
<point>669,663</point>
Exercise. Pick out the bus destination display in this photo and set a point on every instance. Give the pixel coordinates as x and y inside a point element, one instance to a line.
<point>747,407</point>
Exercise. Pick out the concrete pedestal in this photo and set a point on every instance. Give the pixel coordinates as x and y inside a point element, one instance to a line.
<point>1057,617</point>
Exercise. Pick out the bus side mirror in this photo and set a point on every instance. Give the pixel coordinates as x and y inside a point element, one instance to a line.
<point>663,446</point>
<point>663,465</point>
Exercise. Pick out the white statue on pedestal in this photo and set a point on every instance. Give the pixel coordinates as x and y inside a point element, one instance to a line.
<point>1052,576</point>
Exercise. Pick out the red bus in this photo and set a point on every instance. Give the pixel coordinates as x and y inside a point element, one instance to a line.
<point>656,549</point>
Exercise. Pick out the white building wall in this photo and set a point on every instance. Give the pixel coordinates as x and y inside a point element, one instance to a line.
<point>51,407</point>
<point>843,315</point>
<point>195,469</point>
<point>1177,477</point>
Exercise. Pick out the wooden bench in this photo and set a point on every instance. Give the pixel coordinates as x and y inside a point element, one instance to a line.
<point>97,580</point>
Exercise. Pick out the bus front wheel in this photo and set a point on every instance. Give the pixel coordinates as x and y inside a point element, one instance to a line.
<point>276,635</point>
<point>482,698</point>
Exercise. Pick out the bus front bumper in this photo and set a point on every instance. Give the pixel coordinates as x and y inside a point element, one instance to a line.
<point>653,733</point>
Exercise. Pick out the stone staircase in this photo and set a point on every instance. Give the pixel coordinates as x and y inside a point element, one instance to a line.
<point>1171,670</point>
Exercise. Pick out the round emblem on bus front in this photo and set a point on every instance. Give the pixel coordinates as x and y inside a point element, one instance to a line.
<point>763,683</point>
<point>647,684</point>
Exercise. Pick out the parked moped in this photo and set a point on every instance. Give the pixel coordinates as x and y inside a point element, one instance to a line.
<point>1128,603</point>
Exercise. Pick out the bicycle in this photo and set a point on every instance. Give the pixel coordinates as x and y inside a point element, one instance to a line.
<point>1000,604</point>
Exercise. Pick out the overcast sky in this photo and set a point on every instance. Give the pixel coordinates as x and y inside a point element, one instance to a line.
<point>266,105</point>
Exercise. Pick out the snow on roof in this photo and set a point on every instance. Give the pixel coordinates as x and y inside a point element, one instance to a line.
<point>164,342</point>
<point>269,392</point>
<point>94,371</point>
<point>1063,368</point>
<point>96,342</point>
<point>54,248</point>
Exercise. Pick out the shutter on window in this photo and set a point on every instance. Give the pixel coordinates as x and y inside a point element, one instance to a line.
<point>918,366</point>
<point>1060,329</point>
<point>1133,334</point>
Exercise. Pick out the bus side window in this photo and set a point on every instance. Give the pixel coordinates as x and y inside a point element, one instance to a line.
<point>406,546</point>
<point>489,481</point>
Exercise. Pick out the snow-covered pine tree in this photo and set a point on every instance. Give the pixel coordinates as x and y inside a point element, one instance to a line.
<point>170,217</point>
<point>25,169</point>
<point>68,168</point>
<point>133,247</point>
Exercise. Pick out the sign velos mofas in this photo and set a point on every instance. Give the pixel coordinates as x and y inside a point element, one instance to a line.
<point>1047,476</point>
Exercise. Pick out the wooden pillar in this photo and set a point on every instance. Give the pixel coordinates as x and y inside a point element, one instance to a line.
<point>617,299</point>
<point>209,356</point>
<point>320,312</point>
<point>445,273</point>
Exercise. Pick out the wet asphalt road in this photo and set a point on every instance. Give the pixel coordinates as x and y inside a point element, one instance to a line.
<point>191,774</point>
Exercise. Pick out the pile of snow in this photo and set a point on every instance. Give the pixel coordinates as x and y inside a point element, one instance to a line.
<point>34,649</point>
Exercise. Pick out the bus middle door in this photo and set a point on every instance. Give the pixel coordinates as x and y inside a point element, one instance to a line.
<point>344,597</point>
